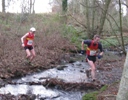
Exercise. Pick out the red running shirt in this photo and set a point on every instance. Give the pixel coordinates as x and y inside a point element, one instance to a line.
<point>92,49</point>
<point>29,40</point>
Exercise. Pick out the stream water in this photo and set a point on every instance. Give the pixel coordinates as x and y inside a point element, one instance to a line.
<point>73,73</point>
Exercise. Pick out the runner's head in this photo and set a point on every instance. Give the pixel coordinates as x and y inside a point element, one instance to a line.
<point>32,29</point>
<point>96,38</point>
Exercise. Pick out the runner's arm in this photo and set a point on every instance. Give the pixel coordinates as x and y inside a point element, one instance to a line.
<point>82,45</point>
<point>87,42</point>
<point>101,50</point>
<point>23,37</point>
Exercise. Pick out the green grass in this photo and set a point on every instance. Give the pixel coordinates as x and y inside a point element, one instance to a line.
<point>90,96</point>
<point>103,88</point>
<point>93,95</point>
<point>108,42</point>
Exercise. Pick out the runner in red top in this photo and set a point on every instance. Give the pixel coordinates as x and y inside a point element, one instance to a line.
<point>92,52</point>
<point>28,44</point>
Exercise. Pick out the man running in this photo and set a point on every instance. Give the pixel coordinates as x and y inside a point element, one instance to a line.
<point>27,43</point>
<point>92,52</point>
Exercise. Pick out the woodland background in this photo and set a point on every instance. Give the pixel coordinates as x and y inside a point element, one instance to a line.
<point>59,32</point>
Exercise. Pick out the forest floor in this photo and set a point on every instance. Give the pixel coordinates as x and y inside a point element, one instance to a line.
<point>113,68</point>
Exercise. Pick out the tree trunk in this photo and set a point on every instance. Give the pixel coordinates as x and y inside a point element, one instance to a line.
<point>3,6</point>
<point>30,7</point>
<point>127,8</point>
<point>64,11</point>
<point>87,18</point>
<point>93,15</point>
<point>123,88</point>
<point>64,5</point>
<point>33,7</point>
<point>122,40</point>
<point>103,17</point>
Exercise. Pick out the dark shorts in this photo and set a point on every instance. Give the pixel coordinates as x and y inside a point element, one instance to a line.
<point>91,58</point>
<point>28,47</point>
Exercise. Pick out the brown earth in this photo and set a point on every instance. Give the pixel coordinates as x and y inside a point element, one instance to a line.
<point>110,93</point>
<point>113,66</point>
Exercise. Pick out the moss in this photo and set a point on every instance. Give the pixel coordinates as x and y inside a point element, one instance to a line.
<point>93,95</point>
<point>90,96</point>
<point>103,88</point>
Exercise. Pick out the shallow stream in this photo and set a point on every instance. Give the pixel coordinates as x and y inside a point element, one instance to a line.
<point>68,73</point>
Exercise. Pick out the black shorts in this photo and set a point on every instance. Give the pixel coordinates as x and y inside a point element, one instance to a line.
<point>28,47</point>
<point>91,58</point>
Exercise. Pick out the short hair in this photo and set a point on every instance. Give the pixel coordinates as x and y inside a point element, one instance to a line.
<point>96,36</point>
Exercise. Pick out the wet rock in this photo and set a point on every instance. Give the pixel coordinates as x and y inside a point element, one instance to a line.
<point>88,73</point>
<point>18,73</point>
<point>27,97</point>
<point>79,64</point>
<point>19,97</point>
<point>71,61</point>
<point>61,67</point>
<point>2,82</point>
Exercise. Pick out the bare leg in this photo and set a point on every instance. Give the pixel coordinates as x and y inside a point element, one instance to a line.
<point>33,54</point>
<point>93,68</point>
<point>28,54</point>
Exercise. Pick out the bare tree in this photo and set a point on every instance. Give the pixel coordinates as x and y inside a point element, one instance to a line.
<point>30,6</point>
<point>87,18</point>
<point>3,6</point>
<point>27,6</point>
<point>32,3</point>
<point>127,7</point>
<point>93,15</point>
<point>120,13</point>
<point>64,11</point>
<point>64,5</point>
<point>103,16</point>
